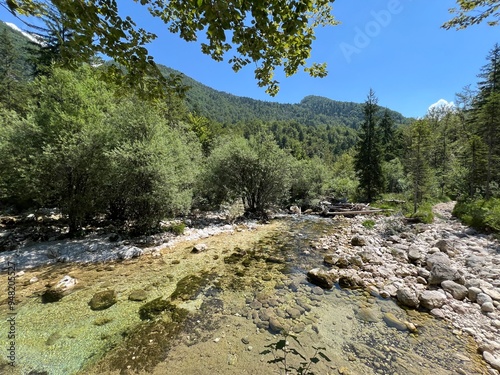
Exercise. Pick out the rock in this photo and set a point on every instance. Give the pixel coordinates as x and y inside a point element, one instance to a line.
<point>318,291</point>
<point>293,313</point>
<point>408,297</point>
<point>342,262</point>
<point>129,253</point>
<point>275,325</point>
<point>473,292</point>
<point>368,315</point>
<point>483,298</point>
<point>456,290</point>
<point>52,295</point>
<point>445,246</point>
<point>330,260</point>
<point>245,340</point>
<point>393,322</point>
<point>422,272</point>
<point>493,293</point>
<point>487,307</point>
<point>64,287</point>
<point>103,300</point>
<point>295,210</point>
<point>358,241</point>
<point>492,360</point>
<point>432,299</point>
<point>66,283</point>
<point>441,272</point>
<point>114,237</point>
<point>138,295</point>
<point>198,248</point>
<point>438,313</point>
<point>415,255</point>
<point>436,258</point>
<point>350,281</point>
<point>320,278</point>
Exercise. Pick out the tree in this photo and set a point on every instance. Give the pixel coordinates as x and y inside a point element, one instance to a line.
<point>387,135</point>
<point>473,12</point>
<point>152,167</point>
<point>369,152</point>
<point>256,171</point>
<point>12,76</point>
<point>269,34</point>
<point>417,160</point>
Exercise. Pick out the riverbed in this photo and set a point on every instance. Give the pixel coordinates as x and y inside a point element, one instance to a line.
<point>232,301</point>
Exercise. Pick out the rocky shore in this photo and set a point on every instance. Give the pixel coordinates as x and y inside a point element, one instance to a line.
<point>446,268</point>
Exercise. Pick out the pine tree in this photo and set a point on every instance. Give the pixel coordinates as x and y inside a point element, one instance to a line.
<point>368,161</point>
<point>417,160</point>
<point>387,135</point>
<point>487,116</point>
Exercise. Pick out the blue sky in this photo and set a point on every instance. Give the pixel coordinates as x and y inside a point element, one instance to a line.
<point>395,47</point>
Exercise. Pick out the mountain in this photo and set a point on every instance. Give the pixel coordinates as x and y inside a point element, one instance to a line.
<point>312,110</point>
<point>231,109</point>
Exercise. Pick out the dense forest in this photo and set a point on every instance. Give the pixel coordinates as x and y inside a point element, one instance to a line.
<point>72,138</point>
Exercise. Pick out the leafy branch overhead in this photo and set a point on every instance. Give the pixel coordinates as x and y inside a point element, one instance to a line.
<point>271,34</point>
<point>473,12</point>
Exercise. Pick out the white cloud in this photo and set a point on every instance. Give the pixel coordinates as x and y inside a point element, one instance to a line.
<point>27,35</point>
<point>442,103</point>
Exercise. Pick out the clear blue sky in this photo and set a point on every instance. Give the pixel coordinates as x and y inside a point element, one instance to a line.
<point>406,58</point>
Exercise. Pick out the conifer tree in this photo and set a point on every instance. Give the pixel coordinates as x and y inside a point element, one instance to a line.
<point>368,161</point>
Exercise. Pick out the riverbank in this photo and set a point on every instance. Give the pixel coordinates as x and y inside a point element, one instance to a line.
<point>445,268</point>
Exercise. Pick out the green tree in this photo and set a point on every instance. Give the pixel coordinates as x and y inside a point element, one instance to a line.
<point>269,34</point>
<point>12,74</point>
<point>387,136</point>
<point>152,166</point>
<point>369,152</point>
<point>417,161</point>
<point>256,171</point>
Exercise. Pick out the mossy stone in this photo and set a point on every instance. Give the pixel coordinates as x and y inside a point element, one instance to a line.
<point>154,308</point>
<point>103,300</point>
<point>138,295</point>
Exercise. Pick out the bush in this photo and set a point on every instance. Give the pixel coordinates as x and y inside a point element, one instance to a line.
<point>255,170</point>
<point>480,214</point>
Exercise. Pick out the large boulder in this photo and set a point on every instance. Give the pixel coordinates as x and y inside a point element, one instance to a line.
<point>436,258</point>
<point>456,290</point>
<point>441,272</point>
<point>408,297</point>
<point>432,299</point>
<point>321,278</point>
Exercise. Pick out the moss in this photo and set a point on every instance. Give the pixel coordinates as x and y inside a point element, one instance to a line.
<point>190,286</point>
<point>102,321</point>
<point>154,308</point>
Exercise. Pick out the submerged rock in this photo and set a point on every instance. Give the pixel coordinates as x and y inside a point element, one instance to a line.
<point>103,300</point>
<point>138,295</point>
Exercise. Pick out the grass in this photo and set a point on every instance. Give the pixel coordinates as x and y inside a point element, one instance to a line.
<point>368,224</point>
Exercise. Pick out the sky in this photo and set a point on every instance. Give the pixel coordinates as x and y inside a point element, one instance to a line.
<point>395,47</point>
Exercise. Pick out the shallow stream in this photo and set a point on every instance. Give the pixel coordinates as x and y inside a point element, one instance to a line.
<point>226,306</point>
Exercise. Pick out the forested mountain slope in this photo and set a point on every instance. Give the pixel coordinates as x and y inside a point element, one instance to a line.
<point>312,110</point>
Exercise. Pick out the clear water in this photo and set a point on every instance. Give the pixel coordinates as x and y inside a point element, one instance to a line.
<point>233,298</point>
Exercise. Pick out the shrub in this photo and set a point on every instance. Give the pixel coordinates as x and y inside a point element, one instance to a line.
<point>255,170</point>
